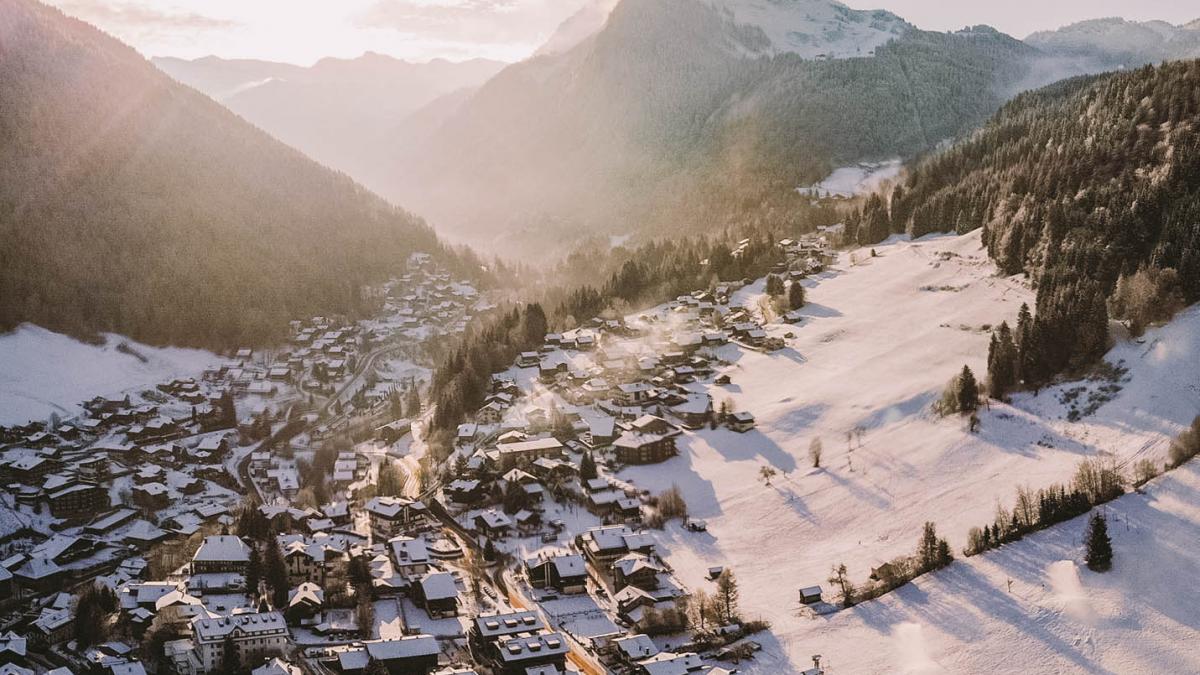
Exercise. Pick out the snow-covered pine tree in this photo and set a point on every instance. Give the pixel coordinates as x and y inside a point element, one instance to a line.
<point>1099,555</point>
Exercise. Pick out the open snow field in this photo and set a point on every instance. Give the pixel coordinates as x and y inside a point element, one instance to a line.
<point>879,342</point>
<point>42,372</point>
<point>859,179</point>
<point>1056,617</point>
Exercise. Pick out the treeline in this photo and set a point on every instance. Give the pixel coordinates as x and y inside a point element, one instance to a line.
<point>646,275</point>
<point>1080,184</point>
<point>1095,482</point>
<point>461,382</point>
<point>659,270</point>
<point>932,553</point>
<point>130,203</point>
<point>1032,354</point>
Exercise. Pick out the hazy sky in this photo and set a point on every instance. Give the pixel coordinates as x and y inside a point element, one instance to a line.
<point>301,31</point>
<point>1022,17</point>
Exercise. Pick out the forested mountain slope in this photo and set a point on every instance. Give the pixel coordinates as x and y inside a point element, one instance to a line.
<point>1081,183</point>
<point>131,203</point>
<point>682,115</point>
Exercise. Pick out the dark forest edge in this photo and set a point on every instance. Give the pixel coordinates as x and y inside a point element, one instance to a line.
<point>1089,187</point>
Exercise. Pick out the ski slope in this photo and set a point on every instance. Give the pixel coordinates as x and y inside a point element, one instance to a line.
<point>880,340</point>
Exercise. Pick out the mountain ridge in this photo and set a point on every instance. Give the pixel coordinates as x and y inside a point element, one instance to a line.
<point>130,203</point>
<point>1115,43</point>
<point>660,120</point>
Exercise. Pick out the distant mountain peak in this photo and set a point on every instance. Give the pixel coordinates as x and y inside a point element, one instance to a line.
<point>1114,42</point>
<point>578,27</point>
<point>810,28</point>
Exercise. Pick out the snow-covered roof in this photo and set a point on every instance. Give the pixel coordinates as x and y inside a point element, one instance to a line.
<point>409,551</point>
<point>517,649</point>
<point>667,663</point>
<point>534,445</point>
<point>637,647</point>
<point>438,586</point>
<point>222,548</point>
<point>213,629</point>
<point>495,519</point>
<point>508,624</point>
<point>276,666</point>
<point>306,592</point>
<point>404,648</point>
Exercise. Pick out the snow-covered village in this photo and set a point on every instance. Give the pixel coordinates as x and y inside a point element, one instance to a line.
<point>643,494</point>
<point>599,337</point>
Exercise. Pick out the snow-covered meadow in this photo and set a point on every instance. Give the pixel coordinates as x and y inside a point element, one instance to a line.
<point>43,372</point>
<point>859,179</point>
<point>1055,616</point>
<point>880,340</point>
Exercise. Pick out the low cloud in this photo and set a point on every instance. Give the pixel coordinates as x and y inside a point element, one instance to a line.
<point>130,16</point>
<point>484,21</point>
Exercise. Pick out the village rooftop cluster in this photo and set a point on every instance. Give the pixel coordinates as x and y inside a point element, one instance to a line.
<point>193,506</point>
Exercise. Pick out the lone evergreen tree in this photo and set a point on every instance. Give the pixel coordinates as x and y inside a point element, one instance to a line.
<point>1002,362</point>
<point>276,575</point>
<point>774,285</point>
<point>933,553</point>
<point>364,611</point>
<point>253,571</point>
<point>359,571</point>
<point>795,295</point>
<point>515,497</point>
<point>587,467</point>
<point>968,391</point>
<point>412,403</point>
<point>231,661</point>
<point>1099,547</point>
<point>228,411</point>
<point>92,608</point>
<point>927,549</point>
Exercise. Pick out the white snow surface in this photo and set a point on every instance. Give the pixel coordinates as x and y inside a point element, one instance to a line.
<point>812,28</point>
<point>1056,617</point>
<point>863,178</point>
<point>43,372</point>
<point>879,342</point>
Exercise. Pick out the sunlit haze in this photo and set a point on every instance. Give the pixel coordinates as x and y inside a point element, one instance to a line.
<point>302,31</point>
